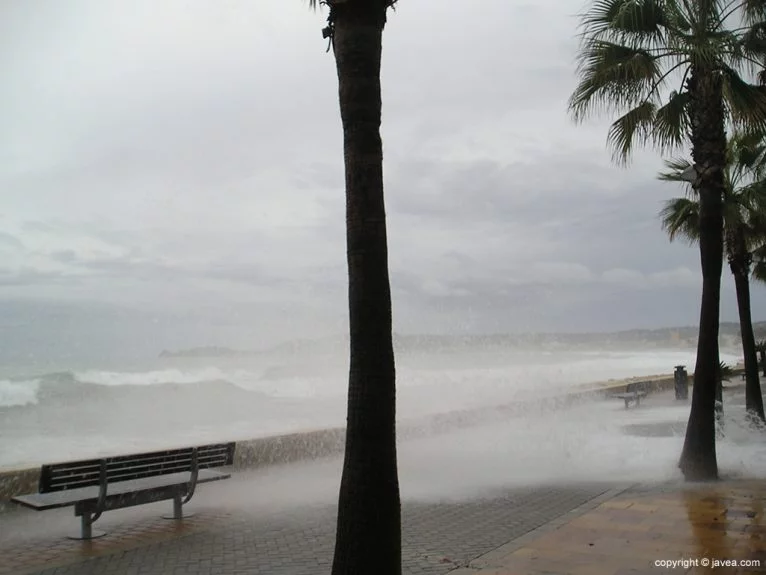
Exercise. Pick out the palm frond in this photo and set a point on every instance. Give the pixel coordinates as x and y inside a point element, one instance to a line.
<point>671,122</point>
<point>631,48</point>
<point>612,75</point>
<point>625,19</point>
<point>754,232</point>
<point>759,265</point>
<point>753,196</point>
<point>679,18</point>
<point>745,102</point>
<point>676,170</point>
<point>747,149</point>
<point>746,157</point>
<point>634,126</point>
<point>752,42</point>
<point>753,201</point>
<point>680,218</point>
<point>753,11</point>
<point>734,217</point>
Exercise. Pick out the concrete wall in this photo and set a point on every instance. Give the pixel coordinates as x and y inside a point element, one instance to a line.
<point>16,482</point>
<point>265,451</point>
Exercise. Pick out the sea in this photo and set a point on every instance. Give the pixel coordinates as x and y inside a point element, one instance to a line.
<point>68,409</point>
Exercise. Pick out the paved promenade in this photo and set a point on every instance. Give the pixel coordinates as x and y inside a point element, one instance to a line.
<point>271,522</point>
<point>577,530</point>
<point>281,521</point>
<point>713,528</point>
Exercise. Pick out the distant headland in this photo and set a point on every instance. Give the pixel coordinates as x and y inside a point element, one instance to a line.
<point>670,337</point>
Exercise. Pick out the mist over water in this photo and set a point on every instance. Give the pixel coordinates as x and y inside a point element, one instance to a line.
<point>591,441</point>
<point>588,441</point>
<point>183,400</point>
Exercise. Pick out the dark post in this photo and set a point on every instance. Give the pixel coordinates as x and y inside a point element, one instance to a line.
<point>682,382</point>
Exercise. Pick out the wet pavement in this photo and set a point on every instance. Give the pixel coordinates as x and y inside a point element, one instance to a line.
<point>706,528</point>
<point>577,530</point>
<point>437,537</point>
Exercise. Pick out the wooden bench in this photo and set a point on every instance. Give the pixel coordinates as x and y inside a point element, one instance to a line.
<point>633,393</point>
<point>97,485</point>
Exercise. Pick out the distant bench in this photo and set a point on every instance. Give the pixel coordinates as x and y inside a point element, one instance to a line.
<point>633,393</point>
<point>97,485</point>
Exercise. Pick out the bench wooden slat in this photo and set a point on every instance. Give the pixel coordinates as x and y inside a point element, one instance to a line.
<point>181,455</point>
<point>129,472</point>
<point>68,497</point>
<point>85,473</point>
<point>113,462</point>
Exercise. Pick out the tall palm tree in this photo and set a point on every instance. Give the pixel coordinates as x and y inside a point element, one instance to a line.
<point>631,50</point>
<point>369,517</point>
<point>744,208</point>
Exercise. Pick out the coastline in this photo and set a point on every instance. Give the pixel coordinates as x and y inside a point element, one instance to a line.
<point>310,444</point>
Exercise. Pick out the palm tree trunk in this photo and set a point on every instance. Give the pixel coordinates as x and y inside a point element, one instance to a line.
<point>698,458</point>
<point>369,522</point>
<point>740,267</point>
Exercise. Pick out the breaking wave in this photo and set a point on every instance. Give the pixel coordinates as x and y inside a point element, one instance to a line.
<point>432,379</point>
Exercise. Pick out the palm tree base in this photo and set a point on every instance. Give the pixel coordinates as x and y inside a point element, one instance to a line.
<point>698,472</point>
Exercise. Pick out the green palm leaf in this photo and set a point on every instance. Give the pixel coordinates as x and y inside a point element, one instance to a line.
<point>680,218</point>
<point>615,75</point>
<point>746,102</point>
<point>744,206</point>
<point>671,122</point>
<point>677,170</point>
<point>626,19</point>
<point>754,11</point>
<point>635,125</point>
<point>633,51</point>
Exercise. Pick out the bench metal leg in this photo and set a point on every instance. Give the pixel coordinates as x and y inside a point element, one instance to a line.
<point>86,528</point>
<point>178,508</point>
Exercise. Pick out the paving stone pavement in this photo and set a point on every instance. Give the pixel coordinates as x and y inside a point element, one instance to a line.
<point>660,529</point>
<point>437,537</point>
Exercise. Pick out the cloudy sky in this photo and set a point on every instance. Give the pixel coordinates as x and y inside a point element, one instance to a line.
<point>183,158</point>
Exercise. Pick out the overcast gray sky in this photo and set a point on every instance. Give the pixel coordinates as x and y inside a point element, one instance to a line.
<point>186,156</point>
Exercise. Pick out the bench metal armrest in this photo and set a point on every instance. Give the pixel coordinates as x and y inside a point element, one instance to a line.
<point>101,491</point>
<point>194,476</point>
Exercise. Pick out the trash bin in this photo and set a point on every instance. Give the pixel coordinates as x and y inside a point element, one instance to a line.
<point>682,382</point>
